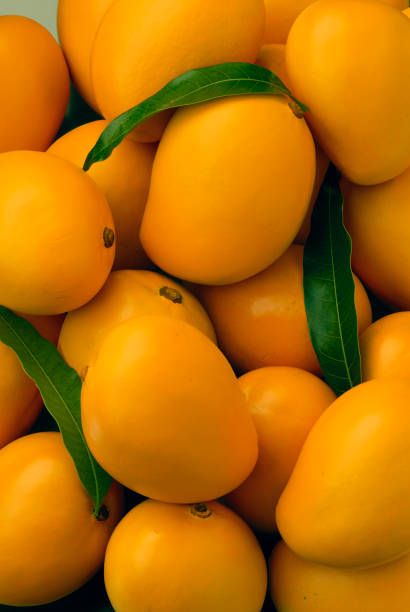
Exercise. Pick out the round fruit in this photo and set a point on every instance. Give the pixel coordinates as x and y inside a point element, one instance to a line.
<point>273,58</point>
<point>135,47</point>
<point>347,502</point>
<point>78,23</point>
<point>34,85</point>
<point>360,121</point>
<point>20,401</point>
<point>181,430</point>
<point>50,541</point>
<point>378,220</point>
<point>248,164</point>
<point>407,12</point>
<point>262,320</point>
<point>301,586</point>
<point>126,294</point>
<point>57,244</point>
<point>385,347</point>
<point>284,404</point>
<point>171,558</point>
<point>123,178</point>
<point>322,165</point>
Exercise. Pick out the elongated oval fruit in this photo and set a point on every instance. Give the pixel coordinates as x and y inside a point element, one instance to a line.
<point>302,586</point>
<point>349,61</point>
<point>163,413</point>
<point>231,184</point>
<point>347,503</point>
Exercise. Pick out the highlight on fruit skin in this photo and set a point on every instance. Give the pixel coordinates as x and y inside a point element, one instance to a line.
<point>169,558</point>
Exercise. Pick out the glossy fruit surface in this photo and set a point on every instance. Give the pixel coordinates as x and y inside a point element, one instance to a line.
<point>135,52</point>
<point>273,58</point>
<point>262,320</point>
<point>301,586</point>
<point>378,220</point>
<point>181,430</point>
<point>58,240</point>
<point>252,189</point>
<point>284,404</point>
<point>34,85</point>
<point>385,347</point>
<point>322,165</point>
<point>359,120</point>
<point>50,542</point>
<point>123,178</point>
<point>348,500</point>
<point>126,294</point>
<point>171,558</point>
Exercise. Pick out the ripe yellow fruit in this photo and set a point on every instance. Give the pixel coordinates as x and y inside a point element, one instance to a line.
<point>322,166</point>
<point>126,294</point>
<point>248,164</point>
<point>20,401</point>
<point>124,179</point>
<point>135,51</point>
<point>181,431</point>
<point>171,558</point>
<point>378,220</point>
<point>34,85</point>
<point>262,321</point>
<point>57,244</point>
<point>77,24</point>
<point>332,58</point>
<point>347,502</point>
<point>273,57</point>
<point>301,586</point>
<point>407,12</point>
<point>50,542</point>
<point>284,403</point>
<point>385,347</point>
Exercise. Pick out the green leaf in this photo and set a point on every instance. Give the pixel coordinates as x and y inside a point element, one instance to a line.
<point>193,87</point>
<point>60,388</point>
<point>329,290</point>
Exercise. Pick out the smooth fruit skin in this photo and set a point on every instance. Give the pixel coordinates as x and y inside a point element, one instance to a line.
<point>135,52</point>
<point>284,403</point>
<point>385,347</point>
<point>249,165</point>
<point>347,502</point>
<point>163,412</point>
<point>171,558</point>
<point>126,294</point>
<point>34,85</point>
<point>301,586</point>
<point>55,253</point>
<point>20,401</point>
<point>77,24</point>
<point>262,321</point>
<point>359,120</point>
<point>123,178</point>
<point>378,220</point>
<point>407,12</point>
<point>273,57</point>
<point>322,166</point>
<point>50,542</point>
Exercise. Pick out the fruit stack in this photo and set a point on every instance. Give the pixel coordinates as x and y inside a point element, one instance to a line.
<point>178,290</point>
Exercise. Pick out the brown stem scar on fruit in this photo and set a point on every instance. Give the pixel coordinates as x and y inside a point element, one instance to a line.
<point>103,514</point>
<point>201,511</point>
<point>108,237</point>
<point>171,294</point>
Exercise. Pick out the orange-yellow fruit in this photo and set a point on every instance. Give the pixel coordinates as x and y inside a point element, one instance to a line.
<point>301,586</point>
<point>171,558</point>
<point>123,178</point>
<point>385,347</point>
<point>34,85</point>
<point>58,243</point>
<point>378,220</point>
<point>322,165</point>
<point>332,57</point>
<point>180,431</point>
<point>407,12</point>
<point>273,58</point>
<point>284,404</point>
<point>78,23</point>
<point>262,320</point>
<point>126,294</point>
<point>249,165</point>
<point>20,401</point>
<point>135,52</point>
<point>50,541</point>
<point>347,502</point>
